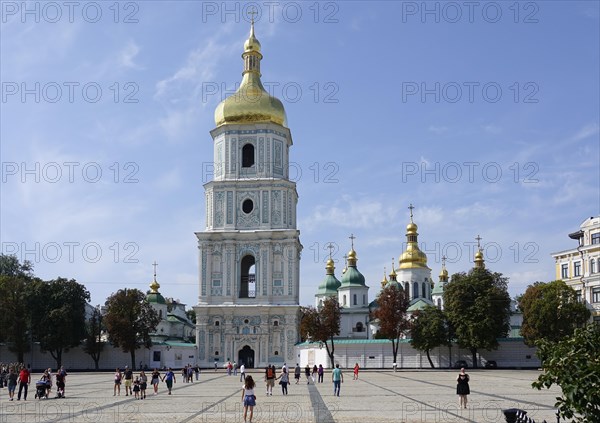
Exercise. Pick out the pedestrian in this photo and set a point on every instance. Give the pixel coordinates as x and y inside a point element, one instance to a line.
<point>297,373</point>
<point>61,379</point>
<point>248,397</point>
<point>320,372</point>
<point>169,378</point>
<point>24,381</point>
<point>155,380</point>
<point>216,365</point>
<point>229,368</point>
<point>143,384</point>
<point>242,373</point>
<point>197,372</point>
<point>315,371</point>
<point>307,373</point>
<point>462,388</point>
<point>128,381</point>
<point>285,380</point>
<point>12,383</point>
<point>190,373</point>
<point>356,368</point>
<point>270,378</point>
<point>184,374</point>
<point>235,368</point>
<point>337,377</point>
<point>136,388</point>
<point>118,377</point>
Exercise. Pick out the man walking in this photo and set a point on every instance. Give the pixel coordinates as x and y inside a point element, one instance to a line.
<point>337,378</point>
<point>242,372</point>
<point>24,381</point>
<point>128,381</point>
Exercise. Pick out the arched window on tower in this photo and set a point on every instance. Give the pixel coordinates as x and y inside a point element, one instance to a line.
<point>359,327</point>
<point>415,290</point>
<point>354,300</point>
<point>424,290</point>
<point>406,288</point>
<point>248,277</point>
<point>248,155</point>
<point>439,303</point>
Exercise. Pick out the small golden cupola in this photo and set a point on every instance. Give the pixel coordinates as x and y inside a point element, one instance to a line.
<point>384,281</point>
<point>251,103</point>
<point>479,261</point>
<point>412,257</point>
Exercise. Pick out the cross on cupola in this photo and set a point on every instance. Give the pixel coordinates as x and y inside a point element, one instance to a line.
<point>330,247</point>
<point>411,208</point>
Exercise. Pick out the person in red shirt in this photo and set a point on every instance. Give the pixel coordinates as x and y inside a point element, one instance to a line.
<point>24,381</point>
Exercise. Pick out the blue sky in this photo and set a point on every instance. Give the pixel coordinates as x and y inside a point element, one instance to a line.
<point>486,119</point>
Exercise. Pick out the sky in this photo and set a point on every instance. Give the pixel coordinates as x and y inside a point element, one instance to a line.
<point>483,115</point>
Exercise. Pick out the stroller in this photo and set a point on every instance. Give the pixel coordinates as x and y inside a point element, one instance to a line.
<point>41,388</point>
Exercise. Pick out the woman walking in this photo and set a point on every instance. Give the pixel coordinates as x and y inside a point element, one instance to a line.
<point>462,388</point>
<point>248,397</point>
<point>155,380</point>
<point>356,368</point>
<point>118,377</point>
<point>285,380</point>
<point>143,384</point>
<point>307,373</point>
<point>320,373</point>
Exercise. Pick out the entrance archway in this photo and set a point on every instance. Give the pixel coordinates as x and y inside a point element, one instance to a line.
<point>246,357</point>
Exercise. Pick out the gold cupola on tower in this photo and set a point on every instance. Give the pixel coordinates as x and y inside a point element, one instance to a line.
<point>412,257</point>
<point>251,103</point>
<point>479,261</point>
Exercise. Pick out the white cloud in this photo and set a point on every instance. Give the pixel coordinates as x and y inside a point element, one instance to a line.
<point>585,132</point>
<point>128,54</point>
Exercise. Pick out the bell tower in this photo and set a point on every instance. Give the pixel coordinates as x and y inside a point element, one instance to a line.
<point>249,253</point>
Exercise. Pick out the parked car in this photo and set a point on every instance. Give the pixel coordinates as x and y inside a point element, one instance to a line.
<point>491,364</point>
<point>460,364</point>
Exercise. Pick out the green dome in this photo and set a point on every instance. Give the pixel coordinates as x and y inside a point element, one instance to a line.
<point>353,277</point>
<point>438,289</point>
<point>329,286</point>
<point>155,297</point>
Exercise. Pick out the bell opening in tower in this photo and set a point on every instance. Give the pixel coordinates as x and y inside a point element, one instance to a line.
<point>248,277</point>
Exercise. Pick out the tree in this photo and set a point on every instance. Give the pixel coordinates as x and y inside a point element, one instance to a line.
<point>573,363</point>
<point>15,316</point>
<point>550,311</point>
<point>58,315</point>
<point>392,303</point>
<point>322,325</point>
<point>477,305</point>
<point>130,320</point>
<point>429,330</point>
<point>93,344</point>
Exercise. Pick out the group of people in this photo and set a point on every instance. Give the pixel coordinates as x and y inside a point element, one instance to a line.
<point>137,386</point>
<point>20,375</point>
<point>188,372</point>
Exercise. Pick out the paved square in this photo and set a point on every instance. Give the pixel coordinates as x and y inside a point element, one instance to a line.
<point>378,396</point>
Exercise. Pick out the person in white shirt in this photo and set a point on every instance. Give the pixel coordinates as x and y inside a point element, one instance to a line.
<point>242,373</point>
<point>248,397</point>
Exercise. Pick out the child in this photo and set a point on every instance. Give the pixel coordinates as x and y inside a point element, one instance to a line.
<point>248,397</point>
<point>143,384</point>
<point>136,388</point>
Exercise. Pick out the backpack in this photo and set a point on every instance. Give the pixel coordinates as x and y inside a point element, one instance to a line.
<point>270,374</point>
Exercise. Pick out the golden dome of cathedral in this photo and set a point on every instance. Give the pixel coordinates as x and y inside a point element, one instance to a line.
<point>251,103</point>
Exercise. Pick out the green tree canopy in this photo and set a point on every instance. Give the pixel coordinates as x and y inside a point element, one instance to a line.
<point>58,314</point>
<point>477,305</point>
<point>550,311</point>
<point>130,320</point>
<point>15,318</point>
<point>429,330</point>
<point>573,363</point>
<point>322,325</point>
<point>93,344</point>
<point>392,303</point>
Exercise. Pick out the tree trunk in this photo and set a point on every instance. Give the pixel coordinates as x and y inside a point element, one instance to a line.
<point>57,357</point>
<point>395,345</point>
<point>474,353</point>
<point>132,358</point>
<point>330,353</point>
<point>96,358</point>
<point>429,358</point>
<point>20,357</point>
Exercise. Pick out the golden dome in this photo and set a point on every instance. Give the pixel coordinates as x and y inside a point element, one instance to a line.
<point>251,103</point>
<point>413,257</point>
<point>330,267</point>
<point>411,228</point>
<point>154,286</point>
<point>443,273</point>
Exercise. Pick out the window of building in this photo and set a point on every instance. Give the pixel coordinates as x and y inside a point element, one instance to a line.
<point>276,353</point>
<point>156,356</point>
<point>248,155</point>
<point>354,299</point>
<point>592,266</point>
<point>406,287</point>
<point>596,295</point>
<point>439,303</point>
<point>564,271</point>
<point>247,206</point>
<point>275,323</point>
<point>596,238</point>
<point>360,327</point>
<point>578,296</point>
<point>424,290</point>
<point>415,290</point>
<point>248,277</point>
<point>364,299</point>
<point>577,268</point>
<point>217,323</point>
<point>216,352</point>
<point>344,300</point>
